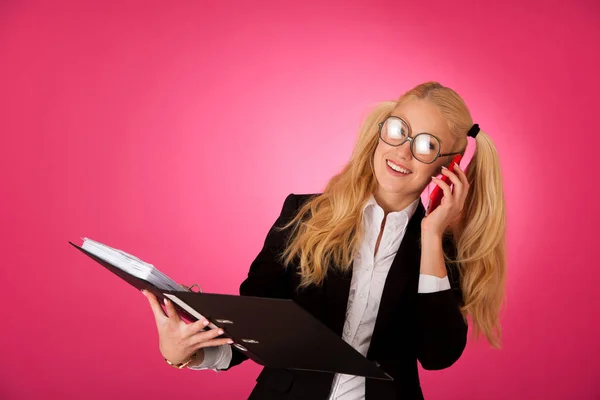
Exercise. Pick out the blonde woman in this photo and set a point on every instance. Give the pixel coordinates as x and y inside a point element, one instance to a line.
<point>362,256</point>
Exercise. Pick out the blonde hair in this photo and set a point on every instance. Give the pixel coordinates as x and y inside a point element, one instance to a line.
<point>327,228</point>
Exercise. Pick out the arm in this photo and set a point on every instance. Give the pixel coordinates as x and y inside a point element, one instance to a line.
<point>267,277</point>
<point>442,330</point>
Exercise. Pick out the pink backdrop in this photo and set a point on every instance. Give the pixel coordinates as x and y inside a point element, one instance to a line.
<point>147,125</point>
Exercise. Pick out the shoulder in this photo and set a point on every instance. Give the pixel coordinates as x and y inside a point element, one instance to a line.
<point>293,202</point>
<point>296,200</point>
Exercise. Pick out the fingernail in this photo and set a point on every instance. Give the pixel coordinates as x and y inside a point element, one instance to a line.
<point>205,322</point>
<point>433,177</point>
<point>221,332</point>
<point>457,166</point>
<point>444,167</point>
<point>229,341</point>
<point>166,301</point>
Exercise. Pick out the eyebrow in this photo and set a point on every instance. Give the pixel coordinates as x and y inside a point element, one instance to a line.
<point>406,120</point>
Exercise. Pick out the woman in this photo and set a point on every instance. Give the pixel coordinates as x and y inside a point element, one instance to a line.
<point>363,257</point>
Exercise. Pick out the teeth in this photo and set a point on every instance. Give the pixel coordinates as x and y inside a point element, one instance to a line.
<point>397,168</point>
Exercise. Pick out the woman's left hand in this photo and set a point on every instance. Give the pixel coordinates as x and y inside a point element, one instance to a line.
<point>452,202</point>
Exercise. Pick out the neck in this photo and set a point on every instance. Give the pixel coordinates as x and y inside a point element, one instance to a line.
<point>391,202</point>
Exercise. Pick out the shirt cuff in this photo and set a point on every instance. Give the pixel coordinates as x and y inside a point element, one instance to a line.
<point>430,283</point>
<point>215,358</point>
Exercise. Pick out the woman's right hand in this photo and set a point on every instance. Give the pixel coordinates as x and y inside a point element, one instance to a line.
<point>178,340</point>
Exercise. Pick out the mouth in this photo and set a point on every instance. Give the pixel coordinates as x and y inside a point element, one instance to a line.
<point>398,169</point>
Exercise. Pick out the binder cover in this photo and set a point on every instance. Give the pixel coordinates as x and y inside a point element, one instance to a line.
<point>276,333</point>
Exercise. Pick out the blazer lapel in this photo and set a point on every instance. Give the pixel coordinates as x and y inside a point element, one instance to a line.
<point>337,289</point>
<point>406,264</point>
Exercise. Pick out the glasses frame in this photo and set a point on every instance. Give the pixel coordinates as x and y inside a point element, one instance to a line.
<point>412,139</point>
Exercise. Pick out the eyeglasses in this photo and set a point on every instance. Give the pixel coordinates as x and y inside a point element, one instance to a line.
<point>424,147</point>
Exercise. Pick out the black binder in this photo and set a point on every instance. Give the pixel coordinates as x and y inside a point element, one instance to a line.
<point>276,333</point>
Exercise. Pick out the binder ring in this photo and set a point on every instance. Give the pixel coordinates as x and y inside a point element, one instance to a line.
<point>239,346</point>
<point>190,288</point>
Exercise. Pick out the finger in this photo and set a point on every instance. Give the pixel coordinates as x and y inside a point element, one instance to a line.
<point>171,311</point>
<point>197,326</point>
<point>458,184</point>
<point>465,182</point>
<point>451,175</point>
<point>461,174</point>
<point>445,187</point>
<point>156,308</point>
<point>206,335</point>
<point>212,343</point>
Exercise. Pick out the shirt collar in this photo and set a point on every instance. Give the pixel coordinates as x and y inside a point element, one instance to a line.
<point>408,211</point>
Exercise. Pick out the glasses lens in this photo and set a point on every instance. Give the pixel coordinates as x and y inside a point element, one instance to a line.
<point>394,131</point>
<point>425,147</point>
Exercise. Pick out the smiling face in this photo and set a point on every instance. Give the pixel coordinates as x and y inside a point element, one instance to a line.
<point>396,190</point>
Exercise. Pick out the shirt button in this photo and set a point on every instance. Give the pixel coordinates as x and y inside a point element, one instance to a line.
<point>362,295</point>
<point>347,333</point>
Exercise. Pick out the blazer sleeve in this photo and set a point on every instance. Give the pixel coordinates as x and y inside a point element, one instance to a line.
<point>267,277</point>
<point>441,328</point>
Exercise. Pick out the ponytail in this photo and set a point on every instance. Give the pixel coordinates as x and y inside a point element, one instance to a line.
<point>480,236</point>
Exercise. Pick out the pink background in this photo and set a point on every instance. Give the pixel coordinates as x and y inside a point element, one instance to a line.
<point>175,131</point>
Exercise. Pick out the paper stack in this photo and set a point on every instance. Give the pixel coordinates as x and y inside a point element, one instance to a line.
<point>131,264</point>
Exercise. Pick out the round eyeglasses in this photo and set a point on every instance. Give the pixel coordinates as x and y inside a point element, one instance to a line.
<point>424,147</point>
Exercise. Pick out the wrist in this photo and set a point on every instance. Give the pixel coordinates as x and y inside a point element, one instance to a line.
<point>432,255</point>
<point>431,236</point>
<point>199,359</point>
<point>195,358</point>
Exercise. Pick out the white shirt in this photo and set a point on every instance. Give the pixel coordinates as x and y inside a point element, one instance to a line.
<point>368,279</point>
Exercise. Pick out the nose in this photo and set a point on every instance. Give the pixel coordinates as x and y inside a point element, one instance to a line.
<point>403,151</point>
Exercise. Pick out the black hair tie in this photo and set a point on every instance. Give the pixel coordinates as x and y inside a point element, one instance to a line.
<point>473,131</point>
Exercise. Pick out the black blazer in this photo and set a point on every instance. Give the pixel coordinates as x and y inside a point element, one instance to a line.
<point>410,326</point>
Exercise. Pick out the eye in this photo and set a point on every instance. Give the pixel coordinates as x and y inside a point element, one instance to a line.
<point>395,129</point>
<point>426,144</point>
